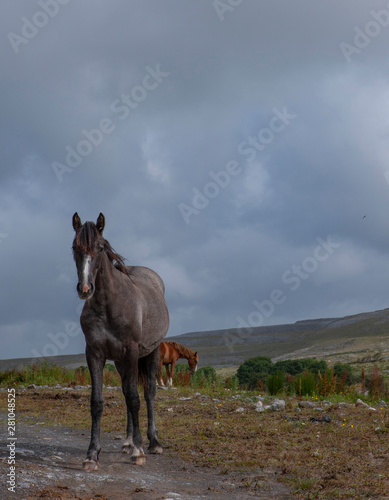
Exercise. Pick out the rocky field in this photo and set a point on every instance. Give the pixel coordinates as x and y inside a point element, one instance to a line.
<point>217,444</point>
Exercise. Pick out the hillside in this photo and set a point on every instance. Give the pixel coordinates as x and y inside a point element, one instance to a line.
<point>346,339</point>
<point>342,339</point>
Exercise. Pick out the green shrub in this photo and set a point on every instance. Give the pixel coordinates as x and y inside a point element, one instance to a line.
<point>254,381</point>
<point>207,372</point>
<point>290,366</point>
<point>326,383</point>
<point>275,383</point>
<point>296,366</point>
<point>231,383</point>
<point>343,372</point>
<point>376,384</point>
<point>256,372</point>
<point>314,366</point>
<point>257,365</point>
<point>305,384</point>
<point>181,368</point>
<point>204,377</point>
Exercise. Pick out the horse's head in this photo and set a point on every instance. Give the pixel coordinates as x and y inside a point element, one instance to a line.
<point>192,361</point>
<point>88,246</point>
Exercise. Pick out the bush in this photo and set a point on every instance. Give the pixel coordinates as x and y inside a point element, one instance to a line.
<point>275,383</point>
<point>296,366</point>
<point>343,372</point>
<point>231,383</point>
<point>376,384</point>
<point>258,365</point>
<point>259,371</point>
<point>204,377</point>
<point>305,384</point>
<point>181,368</point>
<point>327,383</point>
<point>207,372</point>
<point>290,366</point>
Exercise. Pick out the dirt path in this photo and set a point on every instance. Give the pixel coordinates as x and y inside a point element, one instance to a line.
<point>49,459</point>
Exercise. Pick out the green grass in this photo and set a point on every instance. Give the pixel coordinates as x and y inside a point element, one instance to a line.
<point>46,373</point>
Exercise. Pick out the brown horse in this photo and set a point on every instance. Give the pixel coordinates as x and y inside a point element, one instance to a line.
<point>169,353</point>
<point>124,318</point>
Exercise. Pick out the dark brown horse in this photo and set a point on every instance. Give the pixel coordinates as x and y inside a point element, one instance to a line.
<point>169,353</point>
<point>124,319</point>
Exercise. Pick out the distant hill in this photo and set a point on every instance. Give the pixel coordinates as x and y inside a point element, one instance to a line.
<point>338,339</point>
<point>346,338</point>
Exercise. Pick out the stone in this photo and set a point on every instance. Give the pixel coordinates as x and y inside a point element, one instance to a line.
<point>277,405</point>
<point>306,404</point>
<point>259,406</point>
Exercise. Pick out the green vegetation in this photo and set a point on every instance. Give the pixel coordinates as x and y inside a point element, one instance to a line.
<point>203,377</point>
<point>46,373</point>
<point>303,377</point>
<point>260,371</point>
<point>307,377</point>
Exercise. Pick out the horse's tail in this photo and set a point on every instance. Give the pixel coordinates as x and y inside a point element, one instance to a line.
<point>142,373</point>
<point>148,368</point>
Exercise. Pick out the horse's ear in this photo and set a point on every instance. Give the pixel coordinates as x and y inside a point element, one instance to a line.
<point>100,223</point>
<point>76,222</point>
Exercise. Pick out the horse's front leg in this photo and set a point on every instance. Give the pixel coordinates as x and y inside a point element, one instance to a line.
<point>168,374</point>
<point>148,367</point>
<point>133,443</point>
<point>159,373</point>
<point>170,380</point>
<point>96,366</point>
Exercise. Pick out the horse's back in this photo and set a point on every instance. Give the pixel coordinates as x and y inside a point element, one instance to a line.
<point>145,276</point>
<point>168,352</point>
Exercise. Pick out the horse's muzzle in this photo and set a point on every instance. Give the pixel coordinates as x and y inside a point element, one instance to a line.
<point>85,292</point>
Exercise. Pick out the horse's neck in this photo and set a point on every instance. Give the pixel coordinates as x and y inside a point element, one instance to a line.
<point>107,279</point>
<point>182,355</point>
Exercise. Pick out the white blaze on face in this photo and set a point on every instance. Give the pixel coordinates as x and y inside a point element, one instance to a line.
<point>86,270</point>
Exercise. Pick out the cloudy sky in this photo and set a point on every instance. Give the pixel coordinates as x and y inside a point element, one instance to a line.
<point>239,148</point>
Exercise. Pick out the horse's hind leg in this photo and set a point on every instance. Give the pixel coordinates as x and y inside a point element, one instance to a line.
<point>133,442</point>
<point>147,368</point>
<point>96,366</point>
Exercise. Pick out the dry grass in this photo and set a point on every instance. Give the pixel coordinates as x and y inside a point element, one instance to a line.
<point>345,458</point>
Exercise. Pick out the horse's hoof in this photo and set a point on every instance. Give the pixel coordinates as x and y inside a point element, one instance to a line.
<point>157,449</point>
<point>139,460</point>
<point>90,465</point>
<point>138,457</point>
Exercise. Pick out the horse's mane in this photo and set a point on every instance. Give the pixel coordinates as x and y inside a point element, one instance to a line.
<point>84,242</point>
<point>185,351</point>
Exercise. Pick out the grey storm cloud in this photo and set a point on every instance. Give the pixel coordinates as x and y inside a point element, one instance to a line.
<point>222,140</point>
